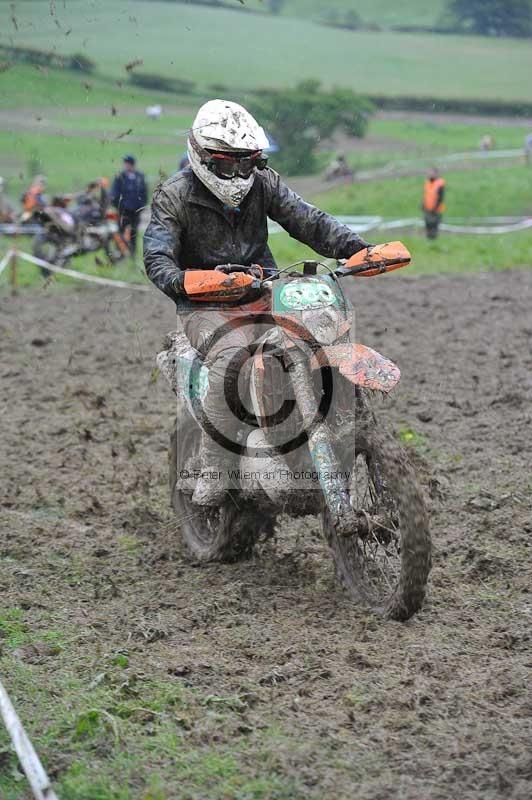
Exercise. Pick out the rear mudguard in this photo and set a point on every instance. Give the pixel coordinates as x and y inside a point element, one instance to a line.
<point>361,366</point>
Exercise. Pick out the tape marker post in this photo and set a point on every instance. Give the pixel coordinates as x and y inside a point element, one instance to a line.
<point>29,760</point>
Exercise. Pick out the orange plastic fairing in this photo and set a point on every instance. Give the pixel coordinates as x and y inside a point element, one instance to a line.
<point>375,260</point>
<point>208,285</point>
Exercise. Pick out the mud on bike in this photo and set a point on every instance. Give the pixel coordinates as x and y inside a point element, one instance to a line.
<point>312,444</point>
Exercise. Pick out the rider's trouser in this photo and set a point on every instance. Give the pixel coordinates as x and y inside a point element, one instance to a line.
<point>223,336</point>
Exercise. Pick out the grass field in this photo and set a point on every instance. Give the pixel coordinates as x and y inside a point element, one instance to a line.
<point>63,123</point>
<point>428,137</point>
<point>489,192</point>
<point>245,51</point>
<point>139,675</point>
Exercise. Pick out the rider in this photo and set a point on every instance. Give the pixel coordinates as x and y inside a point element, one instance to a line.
<point>215,212</point>
<point>93,202</point>
<point>34,197</point>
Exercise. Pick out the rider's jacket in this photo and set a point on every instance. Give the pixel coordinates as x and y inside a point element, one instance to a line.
<point>191,228</point>
<point>33,198</point>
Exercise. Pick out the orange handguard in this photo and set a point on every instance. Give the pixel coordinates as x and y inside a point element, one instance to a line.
<point>376,260</point>
<point>209,285</point>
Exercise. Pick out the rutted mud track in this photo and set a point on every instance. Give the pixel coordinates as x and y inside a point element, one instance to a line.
<point>439,707</point>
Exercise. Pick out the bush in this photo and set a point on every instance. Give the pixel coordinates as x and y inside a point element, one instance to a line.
<point>162,83</point>
<point>299,118</point>
<point>492,17</point>
<point>45,58</point>
<point>81,63</point>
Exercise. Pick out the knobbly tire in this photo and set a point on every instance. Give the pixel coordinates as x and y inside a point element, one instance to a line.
<point>49,250</point>
<point>386,562</point>
<point>226,533</point>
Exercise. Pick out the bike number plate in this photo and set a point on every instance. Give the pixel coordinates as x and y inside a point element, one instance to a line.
<point>303,295</point>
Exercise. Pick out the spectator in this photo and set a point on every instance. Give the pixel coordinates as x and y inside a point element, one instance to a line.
<point>34,197</point>
<point>129,196</point>
<point>7,212</point>
<point>487,142</point>
<point>433,206</point>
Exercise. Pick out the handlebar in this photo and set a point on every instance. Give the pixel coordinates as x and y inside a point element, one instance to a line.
<point>229,282</point>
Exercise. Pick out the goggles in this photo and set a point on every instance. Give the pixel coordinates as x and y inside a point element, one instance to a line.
<point>229,165</point>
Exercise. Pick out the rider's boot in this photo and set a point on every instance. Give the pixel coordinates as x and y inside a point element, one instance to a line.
<point>219,423</point>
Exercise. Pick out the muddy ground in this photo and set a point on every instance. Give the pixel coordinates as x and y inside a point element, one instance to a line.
<point>304,694</point>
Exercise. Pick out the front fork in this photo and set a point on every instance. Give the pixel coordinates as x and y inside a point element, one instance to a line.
<point>333,481</point>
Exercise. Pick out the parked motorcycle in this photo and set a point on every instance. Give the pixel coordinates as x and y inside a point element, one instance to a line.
<point>67,233</point>
<point>339,170</point>
<point>310,442</point>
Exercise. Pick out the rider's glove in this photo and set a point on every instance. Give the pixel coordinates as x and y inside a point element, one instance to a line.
<point>255,269</point>
<point>363,244</point>
<point>178,284</point>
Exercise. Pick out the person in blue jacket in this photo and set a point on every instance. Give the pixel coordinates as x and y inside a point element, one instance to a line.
<point>129,195</point>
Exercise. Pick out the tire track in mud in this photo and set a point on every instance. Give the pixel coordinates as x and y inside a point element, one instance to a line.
<point>436,706</point>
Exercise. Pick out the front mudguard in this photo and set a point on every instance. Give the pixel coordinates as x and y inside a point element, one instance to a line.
<point>360,365</point>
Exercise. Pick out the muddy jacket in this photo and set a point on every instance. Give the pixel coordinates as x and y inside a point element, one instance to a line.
<point>191,228</point>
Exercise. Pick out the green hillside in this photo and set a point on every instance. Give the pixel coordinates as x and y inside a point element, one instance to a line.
<point>243,51</point>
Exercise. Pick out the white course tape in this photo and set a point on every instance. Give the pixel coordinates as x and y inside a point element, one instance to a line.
<point>82,276</point>
<point>364,224</point>
<point>483,229</point>
<point>29,760</point>
<point>5,261</point>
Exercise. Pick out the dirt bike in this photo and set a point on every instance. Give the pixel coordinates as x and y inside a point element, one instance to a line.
<point>339,171</point>
<point>308,385</point>
<point>66,234</point>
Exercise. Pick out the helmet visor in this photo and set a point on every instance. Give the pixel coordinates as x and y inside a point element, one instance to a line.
<point>236,165</point>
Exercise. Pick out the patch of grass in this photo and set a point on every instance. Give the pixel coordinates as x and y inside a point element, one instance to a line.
<point>412,438</point>
<point>106,731</point>
<point>25,86</point>
<point>13,630</point>
<point>489,192</point>
<point>451,253</point>
<point>428,137</point>
<point>69,162</point>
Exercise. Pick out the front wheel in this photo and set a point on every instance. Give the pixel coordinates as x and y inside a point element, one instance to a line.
<point>386,561</point>
<point>227,533</point>
<point>48,249</point>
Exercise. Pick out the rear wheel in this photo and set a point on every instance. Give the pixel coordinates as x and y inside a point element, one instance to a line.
<point>227,533</point>
<point>386,561</point>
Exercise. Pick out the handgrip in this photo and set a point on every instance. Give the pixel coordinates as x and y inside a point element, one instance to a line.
<point>376,260</point>
<point>210,285</point>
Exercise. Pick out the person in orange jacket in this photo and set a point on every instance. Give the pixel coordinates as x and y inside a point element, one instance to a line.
<point>433,206</point>
<point>34,197</point>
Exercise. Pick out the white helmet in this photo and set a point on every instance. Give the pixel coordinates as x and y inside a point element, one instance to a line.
<point>224,127</point>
